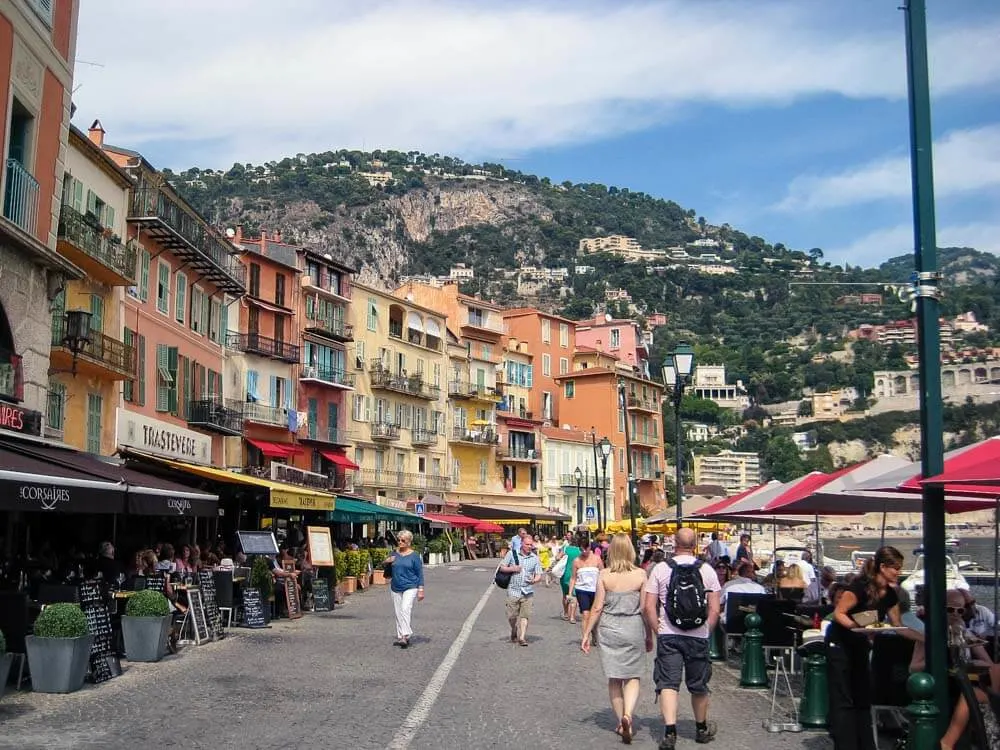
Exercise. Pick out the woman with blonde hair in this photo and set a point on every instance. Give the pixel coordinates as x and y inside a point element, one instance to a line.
<point>407,584</point>
<point>617,614</point>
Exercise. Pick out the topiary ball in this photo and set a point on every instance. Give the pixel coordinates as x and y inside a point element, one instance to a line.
<point>147,603</point>
<point>61,621</point>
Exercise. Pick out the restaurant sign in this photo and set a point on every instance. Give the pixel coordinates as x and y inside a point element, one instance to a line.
<point>23,421</point>
<point>61,496</point>
<point>300,501</point>
<point>162,438</point>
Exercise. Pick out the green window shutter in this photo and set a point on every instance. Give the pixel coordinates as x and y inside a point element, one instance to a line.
<point>223,322</point>
<point>96,313</point>
<point>162,387</point>
<point>311,307</point>
<point>92,203</point>
<point>163,287</point>
<point>78,195</point>
<point>109,217</point>
<point>188,385</point>
<point>206,314</point>
<point>128,387</point>
<point>55,412</point>
<point>206,384</point>
<point>94,406</point>
<point>141,369</point>
<point>181,302</point>
<point>143,275</point>
<point>172,385</point>
<point>272,395</point>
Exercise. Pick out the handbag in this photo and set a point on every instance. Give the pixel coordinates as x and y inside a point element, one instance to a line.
<point>559,567</point>
<point>501,579</point>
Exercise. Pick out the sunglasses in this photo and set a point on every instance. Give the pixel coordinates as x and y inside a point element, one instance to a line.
<point>955,610</point>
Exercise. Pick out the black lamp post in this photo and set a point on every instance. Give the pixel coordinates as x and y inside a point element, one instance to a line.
<point>630,486</point>
<point>605,447</point>
<point>578,475</point>
<point>76,333</point>
<point>677,368</point>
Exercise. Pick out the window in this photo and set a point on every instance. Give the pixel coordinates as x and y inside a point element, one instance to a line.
<point>569,389</point>
<point>96,313</point>
<point>564,335</point>
<point>547,331</point>
<point>279,289</point>
<point>487,351</point>
<point>55,412</point>
<point>621,420</point>
<point>215,321</point>
<point>166,378</point>
<point>180,303</point>
<point>483,469</point>
<point>533,478</point>
<point>254,280</point>
<point>141,290</point>
<point>195,317</point>
<point>358,408</point>
<point>456,470</point>
<point>372,314</point>
<point>359,356</point>
<point>546,365</point>
<point>563,365</point>
<point>163,288</point>
<point>94,405</point>
<point>436,375</point>
<point>616,338</point>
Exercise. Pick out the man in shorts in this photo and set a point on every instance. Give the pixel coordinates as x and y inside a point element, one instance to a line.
<point>527,570</point>
<point>681,652</point>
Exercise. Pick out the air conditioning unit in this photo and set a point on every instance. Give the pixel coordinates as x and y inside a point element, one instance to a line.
<point>309,371</point>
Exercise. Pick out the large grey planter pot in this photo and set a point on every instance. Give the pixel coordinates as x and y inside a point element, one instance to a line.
<point>58,665</point>
<point>5,662</point>
<point>145,637</point>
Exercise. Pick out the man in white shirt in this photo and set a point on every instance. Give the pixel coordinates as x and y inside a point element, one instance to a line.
<point>817,592</point>
<point>979,619</point>
<point>744,583</point>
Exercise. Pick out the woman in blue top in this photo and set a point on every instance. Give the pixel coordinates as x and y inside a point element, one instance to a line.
<point>407,585</point>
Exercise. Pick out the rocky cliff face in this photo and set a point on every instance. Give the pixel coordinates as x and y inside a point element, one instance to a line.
<point>376,239</point>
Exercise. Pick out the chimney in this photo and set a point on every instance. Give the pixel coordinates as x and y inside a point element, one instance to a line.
<point>96,133</point>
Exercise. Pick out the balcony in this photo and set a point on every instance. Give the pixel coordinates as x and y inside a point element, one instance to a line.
<point>337,330</point>
<point>482,437</point>
<point>483,324</point>
<point>462,389</point>
<point>11,377</point>
<point>401,480</point>
<point>518,454</point>
<point>637,403</point>
<point>274,416</point>
<point>423,436</point>
<point>181,231</point>
<point>211,415</point>
<point>646,441</point>
<point>586,482</point>
<point>385,431</point>
<point>20,203</point>
<point>104,357</point>
<point>410,385</point>
<point>105,258</point>
<point>326,375</point>
<point>279,472</point>
<point>330,436</point>
<point>328,284</point>
<point>509,410</point>
<point>647,474</point>
<point>263,346</point>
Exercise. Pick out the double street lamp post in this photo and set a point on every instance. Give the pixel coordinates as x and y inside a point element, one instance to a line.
<point>677,369</point>
<point>578,475</point>
<point>605,447</point>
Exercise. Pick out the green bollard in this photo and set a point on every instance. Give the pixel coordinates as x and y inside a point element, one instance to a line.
<point>922,712</point>
<point>717,644</point>
<point>812,710</point>
<point>753,673</point>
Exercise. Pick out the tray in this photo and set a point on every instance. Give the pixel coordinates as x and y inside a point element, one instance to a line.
<point>888,629</point>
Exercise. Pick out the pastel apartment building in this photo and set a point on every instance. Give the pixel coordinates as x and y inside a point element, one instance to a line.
<point>550,339</point>
<point>615,243</point>
<point>735,471</point>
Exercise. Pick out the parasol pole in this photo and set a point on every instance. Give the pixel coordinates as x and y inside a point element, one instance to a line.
<point>820,560</point>
<point>885,515</point>
<point>996,579</point>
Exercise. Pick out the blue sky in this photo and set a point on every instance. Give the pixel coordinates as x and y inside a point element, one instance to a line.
<point>786,119</point>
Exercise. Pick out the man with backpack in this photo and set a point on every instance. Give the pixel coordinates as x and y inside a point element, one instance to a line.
<point>687,591</point>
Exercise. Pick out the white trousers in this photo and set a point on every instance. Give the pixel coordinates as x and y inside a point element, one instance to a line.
<point>403,605</point>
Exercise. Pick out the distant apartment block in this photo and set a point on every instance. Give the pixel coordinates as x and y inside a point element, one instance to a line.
<point>461,272</point>
<point>710,383</point>
<point>655,320</point>
<point>377,179</point>
<point>615,243</point>
<point>617,295</point>
<point>705,242</point>
<point>730,469</point>
<point>902,332</point>
<point>860,299</point>
<point>580,270</point>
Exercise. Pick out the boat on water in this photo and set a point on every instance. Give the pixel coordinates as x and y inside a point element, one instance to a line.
<point>952,541</point>
<point>914,578</point>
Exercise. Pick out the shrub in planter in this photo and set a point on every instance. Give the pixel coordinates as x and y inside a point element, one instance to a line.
<point>59,650</point>
<point>340,573</point>
<point>352,566</point>
<point>146,626</point>
<point>261,578</point>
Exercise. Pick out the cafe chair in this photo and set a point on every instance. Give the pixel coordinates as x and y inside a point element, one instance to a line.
<point>890,668</point>
<point>738,606</point>
<point>224,594</point>
<point>14,622</point>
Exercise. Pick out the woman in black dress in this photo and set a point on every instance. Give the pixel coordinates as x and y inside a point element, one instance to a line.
<point>848,649</point>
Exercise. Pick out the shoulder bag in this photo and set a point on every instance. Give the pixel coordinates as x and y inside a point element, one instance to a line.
<point>501,579</point>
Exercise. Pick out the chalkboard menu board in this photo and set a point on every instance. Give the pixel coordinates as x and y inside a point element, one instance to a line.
<point>103,663</point>
<point>212,614</point>
<point>292,598</point>
<point>157,582</point>
<point>321,595</point>
<point>258,542</point>
<point>320,546</point>
<point>196,611</point>
<point>253,609</point>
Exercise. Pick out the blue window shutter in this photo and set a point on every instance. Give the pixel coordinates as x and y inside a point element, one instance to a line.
<point>252,386</point>
<point>272,396</point>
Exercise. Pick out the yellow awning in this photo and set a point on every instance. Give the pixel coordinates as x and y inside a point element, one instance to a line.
<point>282,495</point>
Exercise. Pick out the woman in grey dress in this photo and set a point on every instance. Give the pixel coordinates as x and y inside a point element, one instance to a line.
<point>624,637</point>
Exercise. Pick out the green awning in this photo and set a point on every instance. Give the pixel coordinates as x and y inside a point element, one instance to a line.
<point>358,511</point>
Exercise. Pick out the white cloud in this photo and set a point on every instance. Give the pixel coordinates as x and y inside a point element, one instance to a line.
<point>260,80</point>
<point>965,161</point>
<point>889,242</point>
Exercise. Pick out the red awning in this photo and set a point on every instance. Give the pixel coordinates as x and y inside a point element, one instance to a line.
<point>724,504</point>
<point>488,527</point>
<point>969,470</point>
<point>456,521</point>
<point>339,459</point>
<point>275,450</point>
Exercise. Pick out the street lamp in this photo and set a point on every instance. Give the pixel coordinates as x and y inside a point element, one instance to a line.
<point>605,448</point>
<point>630,486</point>
<point>578,475</point>
<point>677,368</point>
<point>76,333</point>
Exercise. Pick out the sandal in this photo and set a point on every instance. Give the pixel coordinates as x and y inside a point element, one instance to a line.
<point>522,643</point>
<point>627,730</point>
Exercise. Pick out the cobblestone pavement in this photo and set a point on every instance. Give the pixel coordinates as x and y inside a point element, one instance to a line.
<point>335,680</point>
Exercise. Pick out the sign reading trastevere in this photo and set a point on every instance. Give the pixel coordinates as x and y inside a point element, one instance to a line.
<point>162,438</point>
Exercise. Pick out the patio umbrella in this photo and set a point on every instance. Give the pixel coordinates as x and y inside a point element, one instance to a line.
<point>488,527</point>
<point>723,505</point>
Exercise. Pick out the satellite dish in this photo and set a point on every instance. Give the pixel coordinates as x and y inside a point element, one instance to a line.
<point>230,233</point>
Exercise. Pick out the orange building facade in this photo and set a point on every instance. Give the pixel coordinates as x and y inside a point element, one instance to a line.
<point>551,340</point>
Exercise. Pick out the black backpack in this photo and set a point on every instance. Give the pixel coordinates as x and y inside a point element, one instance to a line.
<point>687,603</point>
<point>501,579</point>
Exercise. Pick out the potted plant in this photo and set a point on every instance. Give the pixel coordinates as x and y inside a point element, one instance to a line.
<point>262,580</point>
<point>352,564</point>
<point>435,550</point>
<point>456,548</point>
<point>378,575</point>
<point>146,626</point>
<point>340,572</point>
<point>419,545</point>
<point>5,662</point>
<point>59,651</point>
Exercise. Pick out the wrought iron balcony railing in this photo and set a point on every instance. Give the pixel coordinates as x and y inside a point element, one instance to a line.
<point>643,404</point>
<point>264,346</point>
<point>329,375</point>
<point>97,243</point>
<point>20,203</point>
<point>487,436</point>
<point>214,415</point>
<point>103,350</point>
<point>337,330</point>
<point>263,413</point>
<point>423,436</point>
<point>410,385</point>
<point>507,453</point>
<point>401,480</point>
<point>338,287</point>
<point>586,481</point>
<point>385,431</point>
<point>482,392</point>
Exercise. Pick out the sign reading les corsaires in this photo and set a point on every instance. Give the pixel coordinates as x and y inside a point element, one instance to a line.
<point>55,497</point>
<point>16,419</point>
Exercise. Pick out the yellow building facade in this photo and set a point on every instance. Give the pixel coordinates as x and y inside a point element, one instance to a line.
<point>397,414</point>
<point>85,386</point>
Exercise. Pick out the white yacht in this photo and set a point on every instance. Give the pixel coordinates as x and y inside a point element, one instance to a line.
<point>953,576</point>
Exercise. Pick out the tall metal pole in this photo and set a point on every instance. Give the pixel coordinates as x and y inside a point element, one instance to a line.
<point>679,453</point>
<point>604,485</point>
<point>579,504</point>
<point>927,277</point>
<point>597,500</point>
<point>630,487</point>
